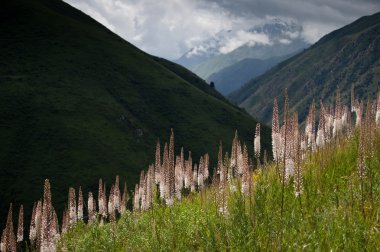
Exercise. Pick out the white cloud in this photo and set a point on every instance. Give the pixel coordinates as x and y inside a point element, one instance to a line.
<point>242,38</point>
<point>285,41</point>
<point>312,32</point>
<point>170,28</point>
<point>165,28</point>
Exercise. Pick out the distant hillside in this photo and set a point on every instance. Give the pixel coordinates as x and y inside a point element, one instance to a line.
<point>348,56</point>
<point>78,103</point>
<point>233,77</point>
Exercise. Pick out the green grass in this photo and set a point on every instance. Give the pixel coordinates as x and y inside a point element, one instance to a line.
<point>329,216</point>
<point>78,103</point>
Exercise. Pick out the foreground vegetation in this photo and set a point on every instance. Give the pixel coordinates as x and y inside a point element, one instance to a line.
<point>321,192</point>
<point>327,199</point>
<point>334,212</point>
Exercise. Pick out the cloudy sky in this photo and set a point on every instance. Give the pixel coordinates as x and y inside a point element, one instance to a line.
<point>169,28</point>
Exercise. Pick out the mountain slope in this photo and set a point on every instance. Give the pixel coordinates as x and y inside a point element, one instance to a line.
<point>78,103</point>
<point>348,56</point>
<point>233,77</point>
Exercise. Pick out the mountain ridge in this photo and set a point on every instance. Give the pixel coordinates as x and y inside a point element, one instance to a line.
<point>346,57</point>
<point>272,38</point>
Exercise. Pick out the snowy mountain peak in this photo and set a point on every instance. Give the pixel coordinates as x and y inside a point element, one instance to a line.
<point>272,31</point>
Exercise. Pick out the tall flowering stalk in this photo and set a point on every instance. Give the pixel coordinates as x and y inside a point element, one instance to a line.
<point>298,174</point>
<point>182,165</point>
<point>276,135</point>
<point>65,221</point>
<point>124,199</point>
<point>32,227</point>
<point>257,146</point>
<point>286,126</point>
<point>194,179</point>
<point>157,163</point>
<point>310,127</point>
<point>178,177</point>
<point>38,219</point>
<point>116,194</point>
<point>55,227</point>
<point>234,155</point>
<point>136,199</point>
<point>91,206</point>
<point>361,166</point>
<point>377,115</point>
<point>169,199</point>
<point>164,174</point>
<point>111,205</point>
<point>246,176</point>
<point>8,239</point>
<point>357,108</point>
<point>102,210</point>
<point>72,207</point>
<point>188,172</point>
<point>142,185</point>
<point>147,195</point>
<point>220,167</point>
<point>320,141</point>
<point>239,162</point>
<point>142,191</point>
<point>370,124</point>
<point>20,226</point>
<point>337,126</point>
<point>344,117</point>
<point>200,173</point>
<point>80,205</point>
<point>206,161</point>
<point>48,230</point>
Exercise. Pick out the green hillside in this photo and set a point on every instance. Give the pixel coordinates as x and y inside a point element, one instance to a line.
<point>78,103</point>
<point>346,57</point>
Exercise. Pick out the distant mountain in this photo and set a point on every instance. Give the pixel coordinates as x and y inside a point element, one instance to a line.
<point>275,38</point>
<point>78,103</point>
<point>233,77</point>
<point>345,57</point>
<point>205,50</point>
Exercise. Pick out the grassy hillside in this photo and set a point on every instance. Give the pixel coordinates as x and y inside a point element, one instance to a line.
<point>78,103</point>
<point>337,211</point>
<point>346,57</point>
